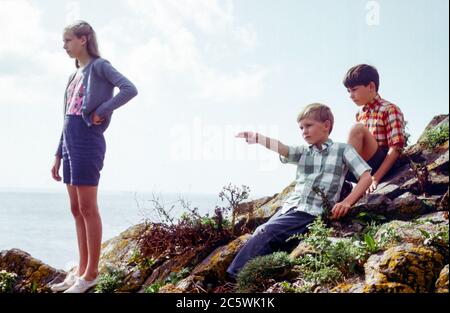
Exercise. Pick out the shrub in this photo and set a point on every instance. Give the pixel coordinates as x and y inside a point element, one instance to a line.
<point>110,281</point>
<point>7,281</point>
<point>191,230</point>
<point>234,195</point>
<point>173,279</point>
<point>331,261</point>
<point>154,288</point>
<point>257,274</point>
<point>142,263</point>
<point>435,137</point>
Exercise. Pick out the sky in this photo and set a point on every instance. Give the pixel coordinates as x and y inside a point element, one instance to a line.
<point>205,70</point>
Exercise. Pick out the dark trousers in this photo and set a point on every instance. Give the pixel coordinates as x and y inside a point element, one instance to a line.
<point>271,237</point>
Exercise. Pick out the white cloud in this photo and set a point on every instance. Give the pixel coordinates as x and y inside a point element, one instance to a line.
<point>186,43</point>
<point>21,22</point>
<point>180,54</point>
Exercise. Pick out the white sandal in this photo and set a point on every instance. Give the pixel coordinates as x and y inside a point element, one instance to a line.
<point>68,282</point>
<point>81,286</point>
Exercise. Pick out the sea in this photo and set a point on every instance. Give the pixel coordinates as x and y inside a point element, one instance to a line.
<point>41,223</point>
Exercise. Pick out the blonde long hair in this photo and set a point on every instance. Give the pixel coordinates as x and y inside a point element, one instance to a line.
<point>82,28</point>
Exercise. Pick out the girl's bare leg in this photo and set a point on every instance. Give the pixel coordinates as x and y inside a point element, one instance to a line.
<point>87,199</point>
<point>80,228</point>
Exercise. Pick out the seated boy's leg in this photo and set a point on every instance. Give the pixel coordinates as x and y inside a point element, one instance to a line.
<point>374,162</point>
<point>270,237</point>
<point>363,141</point>
<point>367,147</point>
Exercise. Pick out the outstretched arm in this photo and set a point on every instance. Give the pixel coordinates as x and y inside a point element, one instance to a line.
<point>269,143</point>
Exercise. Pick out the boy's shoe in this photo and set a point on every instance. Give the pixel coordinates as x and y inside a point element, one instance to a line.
<point>68,282</point>
<point>81,286</point>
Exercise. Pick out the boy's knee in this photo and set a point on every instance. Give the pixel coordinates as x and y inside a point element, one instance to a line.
<point>358,130</point>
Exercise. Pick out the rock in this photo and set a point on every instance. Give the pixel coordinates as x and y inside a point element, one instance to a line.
<point>245,219</point>
<point>388,287</point>
<point>32,274</point>
<point>119,253</point>
<point>373,203</point>
<point>416,267</point>
<point>440,164</point>
<point>396,232</point>
<point>301,250</point>
<point>271,207</point>
<point>355,285</point>
<point>170,288</point>
<point>394,185</point>
<point>174,265</point>
<point>442,282</point>
<point>245,208</point>
<point>263,210</point>
<point>213,268</point>
<point>438,184</point>
<point>406,206</point>
<point>190,284</point>
<point>210,271</point>
<point>434,218</point>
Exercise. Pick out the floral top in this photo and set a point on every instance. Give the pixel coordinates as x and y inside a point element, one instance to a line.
<point>74,94</point>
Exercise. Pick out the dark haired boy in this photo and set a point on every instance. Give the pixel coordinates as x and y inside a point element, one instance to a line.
<point>379,134</point>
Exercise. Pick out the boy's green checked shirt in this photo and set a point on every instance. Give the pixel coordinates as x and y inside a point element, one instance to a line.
<point>325,169</point>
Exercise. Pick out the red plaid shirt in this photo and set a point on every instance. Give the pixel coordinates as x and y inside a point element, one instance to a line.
<point>385,121</point>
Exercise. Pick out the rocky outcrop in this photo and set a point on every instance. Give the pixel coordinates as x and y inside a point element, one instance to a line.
<point>121,253</point>
<point>32,275</point>
<point>408,261</point>
<point>210,271</point>
<point>416,267</point>
<point>413,255</point>
<point>258,212</point>
<point>442,282</point>
<point>213,268</point>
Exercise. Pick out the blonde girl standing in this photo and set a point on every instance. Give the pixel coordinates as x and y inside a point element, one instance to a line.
<point>89,103</point>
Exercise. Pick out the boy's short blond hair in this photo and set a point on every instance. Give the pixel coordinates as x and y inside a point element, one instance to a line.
<point>319,112</point>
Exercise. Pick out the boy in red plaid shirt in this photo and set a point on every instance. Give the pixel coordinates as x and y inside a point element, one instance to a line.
<point>379,135</point>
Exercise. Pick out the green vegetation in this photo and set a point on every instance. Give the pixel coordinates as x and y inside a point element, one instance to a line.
<point>439,238</point>
<point>110,281</point>
<point>435,137</point>
<point>142,263</point>
<point>333,260</point>
<point>173,279</point>
<point>7,281</point>
<point>259,273</point>
<point>328,261</point>
<point>234,195</point>
<point>154,288</point>
<point>172,237</point>
<point>387,236</point>
<point>369,218</point>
